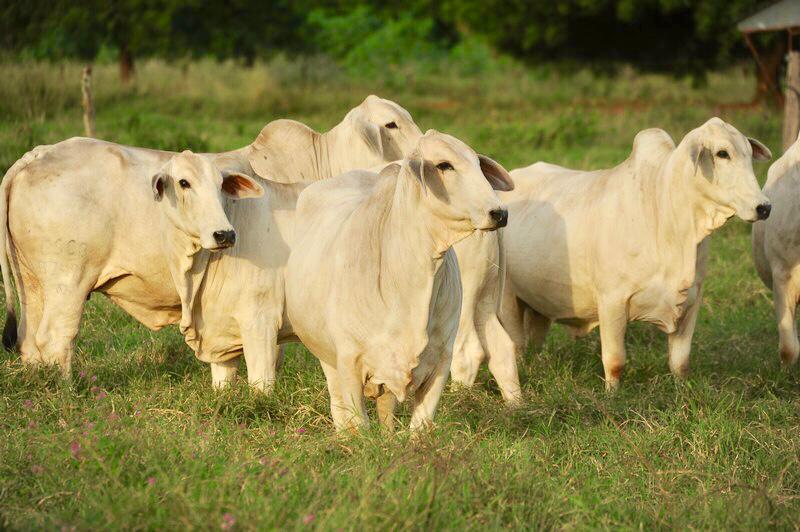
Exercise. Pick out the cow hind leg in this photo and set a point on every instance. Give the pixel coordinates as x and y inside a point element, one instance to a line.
<point>536,328</point>
<point>61,318</point>
<point>30,318</point>
<point>785,296</point>
<point>512,317</point>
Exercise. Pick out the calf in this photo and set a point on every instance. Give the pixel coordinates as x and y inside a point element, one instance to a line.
<point>372,283</point>
<point>56,265</point>
<point>629,243</point>
<point>776,248</point>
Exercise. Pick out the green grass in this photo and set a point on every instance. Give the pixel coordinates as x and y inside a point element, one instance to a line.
<point>139,439</point>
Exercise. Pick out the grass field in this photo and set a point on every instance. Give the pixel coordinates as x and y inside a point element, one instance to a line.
<point>139,440</point>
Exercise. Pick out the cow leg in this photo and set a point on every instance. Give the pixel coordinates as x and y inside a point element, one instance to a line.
<point>613,324</point>
<point>224,373</point>
<point>32,306</point>
<point>351,387</point>
<point>785,296</point>
<point>512,317</point>
<point>387,402</point>
<point>427,396</point>
<point>467,354</point>
<point>337,405</point>
<point>261,354</point>
<point>502,359</point>
<point>61,319</point>
<point>679,343</point>
<point>347,408</point>
<point>536,328</point>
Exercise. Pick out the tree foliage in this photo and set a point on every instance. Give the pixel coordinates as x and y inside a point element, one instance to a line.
<point>681,36</point>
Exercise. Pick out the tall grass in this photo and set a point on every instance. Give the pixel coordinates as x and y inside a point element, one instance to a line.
<point>139,440</point>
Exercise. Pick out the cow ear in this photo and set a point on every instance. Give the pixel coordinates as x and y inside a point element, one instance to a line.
<point>495,174</point>
<point>369,133</point>
<point>416,167</point>
<point>760,152</point>
<point>158,182</point>
<point>702,161</point>
<point>240,186</point>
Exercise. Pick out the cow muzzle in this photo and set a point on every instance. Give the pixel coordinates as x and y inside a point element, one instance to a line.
<point>225,239</point>
<point>499,217</point>
<point>763,210</point>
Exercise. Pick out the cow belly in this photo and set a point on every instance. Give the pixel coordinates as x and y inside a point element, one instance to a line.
<point>152,305</point>
<point>568,303</point>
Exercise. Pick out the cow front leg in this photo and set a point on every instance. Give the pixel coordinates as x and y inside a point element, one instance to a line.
<point>427,396</point>
<point>613,324</point>
<point>387,402</point>
<point>261,355</point>
<point>502,359</point>
<point>467,354</point>
<point>679,343</point>
<point>223,374</point>
<point>785,297</point>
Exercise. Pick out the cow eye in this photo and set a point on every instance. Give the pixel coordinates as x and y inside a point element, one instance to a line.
<point>391,125</point>
<point>722,154</point>
<point>444,166</point>
<point>184,184</point>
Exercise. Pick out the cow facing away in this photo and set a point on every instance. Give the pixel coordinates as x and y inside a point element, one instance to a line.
<point>629,243</point>
<point>56,265</point>
<point>776,248</point>
<point>372,283</point>
<point>122,262</point>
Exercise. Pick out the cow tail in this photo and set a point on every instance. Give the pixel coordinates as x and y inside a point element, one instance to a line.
<point>10,327</point>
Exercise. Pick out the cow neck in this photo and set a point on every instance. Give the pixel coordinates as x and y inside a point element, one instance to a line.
<point>413,242</point>
<point>682,219</point>
<point>187,263</point>
<point>342,149</point>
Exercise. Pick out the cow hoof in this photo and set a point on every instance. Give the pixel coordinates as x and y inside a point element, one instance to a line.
<point>788,358</point>
<point>612,385</point>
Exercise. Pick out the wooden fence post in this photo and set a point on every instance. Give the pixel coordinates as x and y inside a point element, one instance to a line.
<point>88,102</point>
<point>791,109</point>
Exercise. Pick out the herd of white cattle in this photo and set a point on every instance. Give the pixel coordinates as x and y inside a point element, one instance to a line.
<point>380,248</point>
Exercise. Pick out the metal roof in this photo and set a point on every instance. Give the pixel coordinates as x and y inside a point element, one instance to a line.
<point>780,16</point>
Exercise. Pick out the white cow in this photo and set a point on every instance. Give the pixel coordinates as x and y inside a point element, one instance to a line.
<point>240,308</point>
<point>61,250</point>
<point>122,261</point>
<point>629,243</point>
<point>776,248</point>
<point>248,318</point>
<point>372,284</point>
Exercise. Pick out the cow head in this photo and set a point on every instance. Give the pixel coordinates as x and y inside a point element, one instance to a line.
<point>458,184</point>
<point>386,129</point>
<point>191,189</point>
<point>721,162</point>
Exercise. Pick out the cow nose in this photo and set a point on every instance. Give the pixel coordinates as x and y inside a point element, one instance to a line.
<point>500,216</point>
<point>763,210</point>
<point>225,238</point>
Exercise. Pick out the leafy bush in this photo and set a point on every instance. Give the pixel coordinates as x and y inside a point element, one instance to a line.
<point>366,44</point>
